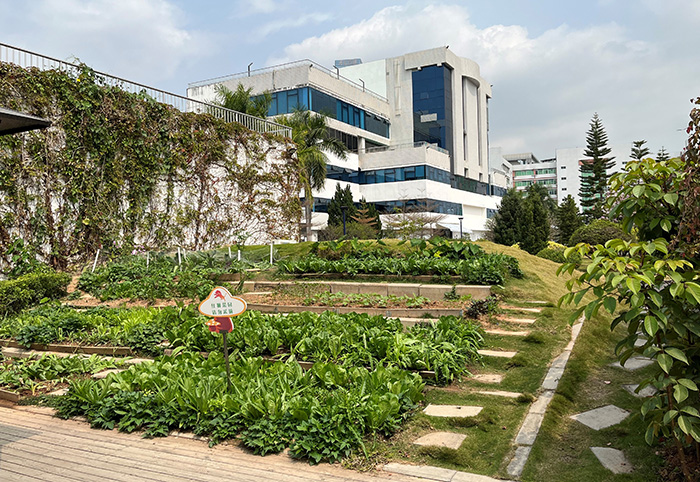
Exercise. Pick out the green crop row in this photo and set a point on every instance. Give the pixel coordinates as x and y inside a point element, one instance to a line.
<point>322,414</point>
<point>30,374</point>
<point>350,339</point>
<point>158,276</point>
<point>487,269</point>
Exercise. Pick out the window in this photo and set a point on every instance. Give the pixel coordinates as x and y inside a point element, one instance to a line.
<point>524,173</point>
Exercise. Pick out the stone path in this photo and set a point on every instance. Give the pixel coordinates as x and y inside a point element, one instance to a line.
<point>602,417</point>
<point>37,447</point>
<point>488,378</point>
<point>449,440</point>
<point>645,392</point>
<point>497,353</point>
<point>457,411</point>
<point>533,421</point>
<point>612,459</point>
<point>634,363</point>
<point>512,319</point>
<point>437,473</point>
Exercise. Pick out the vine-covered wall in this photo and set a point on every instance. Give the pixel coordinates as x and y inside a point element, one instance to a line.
<point>118,170</point>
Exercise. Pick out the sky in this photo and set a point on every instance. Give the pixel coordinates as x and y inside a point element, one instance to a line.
<point>552,63</point>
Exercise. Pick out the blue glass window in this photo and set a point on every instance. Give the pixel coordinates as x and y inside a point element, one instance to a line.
<point>432,106</point>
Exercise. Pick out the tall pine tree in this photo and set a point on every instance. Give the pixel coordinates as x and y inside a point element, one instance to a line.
<point>568,219</point>
<point>594,171</point>
<point>342,197</point>
<point>662,156</point>
<point>534,229</point>
<point>507,221</point>
<point>639,150</point>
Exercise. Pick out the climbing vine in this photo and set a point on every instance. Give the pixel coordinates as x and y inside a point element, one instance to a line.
<point>118,170</point>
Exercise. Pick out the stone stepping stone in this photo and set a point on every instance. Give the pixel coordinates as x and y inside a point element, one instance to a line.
<point>645,392</point>
<point>59,393</point>
<point>17,352</point>
<point>507,332</point>
<point>458,411</point>
<point>536,302</point>
<point>640,342</point>
<point>442,439</point>
<point>540,405</point>
<point>512,319</point>
<point>105,373</point>
<point>488,378</point>
<point>497,354</point>
<point>499,393</point>
<point>602,417</point>
<point>516,466</point>
<point>136,361</point>
<point>612,459</point>
<point>521,308</point>
<point>634,363</point>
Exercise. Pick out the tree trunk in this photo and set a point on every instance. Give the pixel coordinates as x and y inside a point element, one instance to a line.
<point>307,212</point>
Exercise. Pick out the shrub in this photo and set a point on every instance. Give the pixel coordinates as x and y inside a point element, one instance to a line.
<point>598,232</point>
<point>557,255</point>
<point>30,289</point>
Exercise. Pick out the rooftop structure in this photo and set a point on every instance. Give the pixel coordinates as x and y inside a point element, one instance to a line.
<point>416,127</point>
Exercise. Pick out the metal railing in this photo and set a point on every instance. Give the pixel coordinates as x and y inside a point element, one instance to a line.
<point>288,65</point>
<point>411,145</point>
<point>27,59</point>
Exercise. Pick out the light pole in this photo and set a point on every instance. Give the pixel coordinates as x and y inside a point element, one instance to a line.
<point>460,227</point>
<point>344,208</point>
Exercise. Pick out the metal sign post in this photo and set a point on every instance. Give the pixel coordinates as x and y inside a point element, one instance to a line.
<point>220,306</point>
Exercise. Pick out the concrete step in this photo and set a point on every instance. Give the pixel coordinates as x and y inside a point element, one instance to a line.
<point>506,332</point>
<point>498,354</point>
<point>457,411</point>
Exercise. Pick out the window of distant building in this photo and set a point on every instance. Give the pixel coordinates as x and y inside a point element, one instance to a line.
<point>432,106</point>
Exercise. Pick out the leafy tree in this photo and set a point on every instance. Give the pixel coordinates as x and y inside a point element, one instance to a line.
<point>568,219</point>
<point>508,219</point>
<point>534,229</point>
<point>662,156</point>
<point>599,231</point>
<point>341,198</point>
<point>639,150</point>
<point>594,171</point>
<point>240,100</point>
<point>653,286</point>
<point>310,134</point>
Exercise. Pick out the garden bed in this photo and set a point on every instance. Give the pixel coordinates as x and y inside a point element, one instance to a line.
<point>88,350</point>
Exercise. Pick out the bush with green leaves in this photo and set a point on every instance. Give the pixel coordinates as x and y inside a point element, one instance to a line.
<point>29,289</point>
<point>557,255</point>
<point>599,231</point>
<point>653,287</point>
<point>321,414</point>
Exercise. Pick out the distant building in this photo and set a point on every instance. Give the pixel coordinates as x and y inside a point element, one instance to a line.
<point>416,127</point>
<point>560,175</point>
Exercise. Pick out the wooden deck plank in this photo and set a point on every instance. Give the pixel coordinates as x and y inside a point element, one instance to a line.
<point>166,459</point>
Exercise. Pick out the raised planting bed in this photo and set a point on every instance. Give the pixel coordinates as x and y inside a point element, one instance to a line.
<point>432,291</point>
<point>445,347</point>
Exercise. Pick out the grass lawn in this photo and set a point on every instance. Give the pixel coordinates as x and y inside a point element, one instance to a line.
<point>562,446</point>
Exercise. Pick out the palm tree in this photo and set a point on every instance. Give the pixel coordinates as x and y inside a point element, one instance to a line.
<point>310,134</point>
<point>240,100</point>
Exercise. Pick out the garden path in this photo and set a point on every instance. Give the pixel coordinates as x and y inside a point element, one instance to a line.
<point>35,446</point>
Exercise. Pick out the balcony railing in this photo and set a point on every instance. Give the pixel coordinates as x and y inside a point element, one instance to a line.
<point>410,145</point>
<point>27,59</point>
<point>289,65</point>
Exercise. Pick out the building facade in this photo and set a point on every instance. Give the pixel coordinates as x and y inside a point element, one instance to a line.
<point>416,127</point>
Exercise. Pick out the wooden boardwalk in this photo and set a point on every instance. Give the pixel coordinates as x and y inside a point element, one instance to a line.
<point>37,447</point>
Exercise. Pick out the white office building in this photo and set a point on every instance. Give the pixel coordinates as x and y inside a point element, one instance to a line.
<point>560,175</point>
<point>416,127</point>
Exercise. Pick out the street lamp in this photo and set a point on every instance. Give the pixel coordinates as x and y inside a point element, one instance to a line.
<point>344,208</point>
<point>460,226</point>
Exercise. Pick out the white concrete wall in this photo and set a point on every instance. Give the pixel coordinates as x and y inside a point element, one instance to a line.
<point>569,176</point>
<point>405,157</point>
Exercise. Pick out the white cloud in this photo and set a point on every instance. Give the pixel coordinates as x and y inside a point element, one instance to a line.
<point>546,87</point>
<point>141,40</point>
<point>293,22</point>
